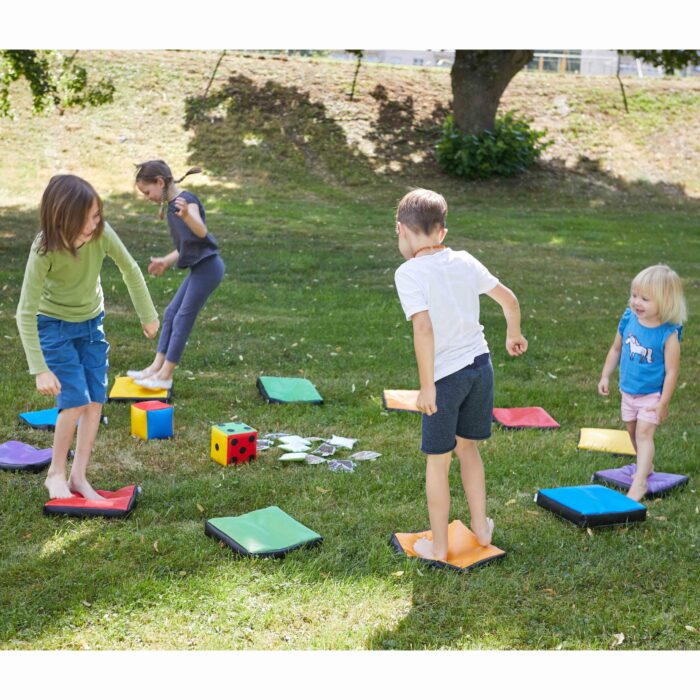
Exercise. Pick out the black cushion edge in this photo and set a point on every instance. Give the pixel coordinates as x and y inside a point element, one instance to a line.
<point>32,468</point>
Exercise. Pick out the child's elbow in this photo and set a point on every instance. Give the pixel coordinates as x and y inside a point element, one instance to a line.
<point>422,324</point>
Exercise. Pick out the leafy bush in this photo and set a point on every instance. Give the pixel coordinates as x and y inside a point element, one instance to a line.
<point>511,147</point>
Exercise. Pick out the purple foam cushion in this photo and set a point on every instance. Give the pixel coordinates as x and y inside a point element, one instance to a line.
<point>18,455</point>
<point>657,482</point>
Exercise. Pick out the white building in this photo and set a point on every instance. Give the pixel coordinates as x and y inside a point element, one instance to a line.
<point>401,57</point>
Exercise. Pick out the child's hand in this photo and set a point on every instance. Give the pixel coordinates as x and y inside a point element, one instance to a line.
<point>426,400</point>
<point>661,410</point>
<point>604,386</point>
<point>150,330</point>
<point>181,207</point>
<point>47,384</point>
<point>157,266</point>
<point>516,345</point>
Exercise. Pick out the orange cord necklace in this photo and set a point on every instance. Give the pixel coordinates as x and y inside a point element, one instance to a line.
<point>429,247</point>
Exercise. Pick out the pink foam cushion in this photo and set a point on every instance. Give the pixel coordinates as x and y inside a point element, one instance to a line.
<point>529,417</point>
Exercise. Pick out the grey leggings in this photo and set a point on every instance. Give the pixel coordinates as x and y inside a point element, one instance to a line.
<point>178,319</point>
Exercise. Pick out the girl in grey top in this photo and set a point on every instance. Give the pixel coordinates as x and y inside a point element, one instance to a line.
<point>196,249</point>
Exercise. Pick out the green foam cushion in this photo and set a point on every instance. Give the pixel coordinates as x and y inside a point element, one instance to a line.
<point>288,389</point>
<point>265,532</point>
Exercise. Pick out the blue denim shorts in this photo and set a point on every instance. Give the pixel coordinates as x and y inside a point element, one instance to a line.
<point>76,352</point>
<point>464,408</point>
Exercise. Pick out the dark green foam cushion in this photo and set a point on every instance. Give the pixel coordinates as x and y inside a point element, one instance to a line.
<point>288,390</point>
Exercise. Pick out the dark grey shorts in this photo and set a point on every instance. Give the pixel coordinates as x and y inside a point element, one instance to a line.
<point>464,408</point>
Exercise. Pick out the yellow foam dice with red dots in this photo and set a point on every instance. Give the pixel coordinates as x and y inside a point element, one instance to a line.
<point>233,443</point>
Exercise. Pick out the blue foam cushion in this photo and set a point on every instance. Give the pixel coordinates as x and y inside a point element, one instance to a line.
<point>160,423</point>
<point>591,505</point>
<point>42,420</point>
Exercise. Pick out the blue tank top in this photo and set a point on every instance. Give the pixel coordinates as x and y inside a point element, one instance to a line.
<point>642,364</point>
<point>191,247</point>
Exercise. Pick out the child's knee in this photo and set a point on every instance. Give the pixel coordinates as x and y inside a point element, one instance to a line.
<point>466,446</point>
<point>645,431</point>
<point>439,462</point>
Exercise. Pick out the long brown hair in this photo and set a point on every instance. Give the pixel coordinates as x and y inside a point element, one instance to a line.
<point>149,171</point>
<point>65,206</point>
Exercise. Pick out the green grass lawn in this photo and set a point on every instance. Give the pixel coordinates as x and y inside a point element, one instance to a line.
<point>309,292</point>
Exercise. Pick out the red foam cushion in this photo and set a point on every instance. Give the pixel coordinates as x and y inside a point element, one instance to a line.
<point>151,406</point>
<point>116,503</point>
<point>529,417</point>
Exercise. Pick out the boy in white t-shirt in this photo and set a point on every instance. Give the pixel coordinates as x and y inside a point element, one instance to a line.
<point>439,291</point>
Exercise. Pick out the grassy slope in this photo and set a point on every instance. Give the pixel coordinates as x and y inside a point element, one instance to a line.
<point>305,223</point>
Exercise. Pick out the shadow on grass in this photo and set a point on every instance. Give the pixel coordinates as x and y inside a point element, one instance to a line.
<point>278,133</point>
<point>273,131</point>
<point>400,137</point>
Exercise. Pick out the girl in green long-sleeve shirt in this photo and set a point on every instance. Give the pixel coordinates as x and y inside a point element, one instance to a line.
<point>60,314</point>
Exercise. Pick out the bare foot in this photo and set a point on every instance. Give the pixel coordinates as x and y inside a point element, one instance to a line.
<point>84,489</point>
<point>483,533</point>
<point>57,486</point>
<point>637,491</point>
<point>424,549</point>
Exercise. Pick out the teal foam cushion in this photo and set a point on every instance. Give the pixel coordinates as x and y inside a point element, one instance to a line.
<point>267,532</point>
<point>288,390</point>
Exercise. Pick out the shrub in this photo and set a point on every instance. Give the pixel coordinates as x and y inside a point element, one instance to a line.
<point>511,147</point>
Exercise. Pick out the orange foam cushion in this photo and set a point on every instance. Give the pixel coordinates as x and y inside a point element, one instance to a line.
<point>400,400</point>
<point>463,551</point>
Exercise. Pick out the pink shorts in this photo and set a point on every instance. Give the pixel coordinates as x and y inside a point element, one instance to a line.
<point>639,407</point>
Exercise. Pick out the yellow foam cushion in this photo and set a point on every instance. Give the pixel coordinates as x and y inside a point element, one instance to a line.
<point>463,551</point>
<point>400,400</point>
<point>125,389</point>
<point>604,440</point>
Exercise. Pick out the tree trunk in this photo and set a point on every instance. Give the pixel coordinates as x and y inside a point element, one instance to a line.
<point>479,78</point>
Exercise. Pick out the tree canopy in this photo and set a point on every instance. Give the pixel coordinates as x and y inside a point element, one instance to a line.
<point>55,80</point>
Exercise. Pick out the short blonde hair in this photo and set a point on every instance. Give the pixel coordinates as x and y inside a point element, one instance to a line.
<point>422,211</point>
<point>664,286</point>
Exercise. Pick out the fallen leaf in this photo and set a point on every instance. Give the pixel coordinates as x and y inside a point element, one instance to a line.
<point>200,508</point>
<point>550,591</point>
<point>86,604</point>
<point>155,546</point>
<point>320,490</point>
<point>553,376</point>
<point>589,531</point>
<point>690,628</point>
<point>183,573</point>
<point>510,503</point>
<point>619,638</point>
<point>397,573</point>
<point>660,517</point>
